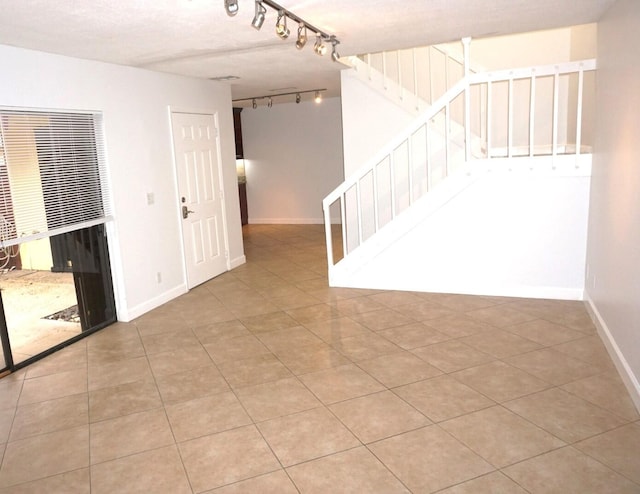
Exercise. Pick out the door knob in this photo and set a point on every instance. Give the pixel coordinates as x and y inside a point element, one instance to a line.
<point>186,212</point>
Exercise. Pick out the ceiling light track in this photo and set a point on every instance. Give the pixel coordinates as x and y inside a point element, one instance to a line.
<point>254,99</point>
<point>282,30</point>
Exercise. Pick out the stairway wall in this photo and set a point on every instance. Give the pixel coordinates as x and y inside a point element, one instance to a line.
<point>518,233</point>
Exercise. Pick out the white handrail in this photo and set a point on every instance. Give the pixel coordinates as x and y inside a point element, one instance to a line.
<point>429,123</point>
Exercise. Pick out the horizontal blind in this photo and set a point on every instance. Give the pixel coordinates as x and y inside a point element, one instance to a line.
<point>52,174</point>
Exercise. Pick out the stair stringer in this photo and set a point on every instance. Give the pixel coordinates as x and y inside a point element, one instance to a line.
<point>538,206</point>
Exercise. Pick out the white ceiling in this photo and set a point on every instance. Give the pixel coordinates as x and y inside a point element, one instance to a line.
<point>197,38</point>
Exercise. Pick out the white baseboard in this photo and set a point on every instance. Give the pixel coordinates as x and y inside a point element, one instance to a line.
<point>623,367</point>
<point>238,261</point>
<point>127,314</point>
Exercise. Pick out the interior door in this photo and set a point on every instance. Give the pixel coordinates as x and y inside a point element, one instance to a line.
<point>197,157</point>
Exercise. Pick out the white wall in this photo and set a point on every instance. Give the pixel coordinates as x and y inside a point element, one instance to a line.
<point>613,255</point>
<point>293,159</point>
<point>143,239</point>
<point>520,233</point>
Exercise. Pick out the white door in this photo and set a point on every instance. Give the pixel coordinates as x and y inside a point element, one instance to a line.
<point>196,145</point>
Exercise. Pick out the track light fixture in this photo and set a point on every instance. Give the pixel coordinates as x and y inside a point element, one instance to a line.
<point>281,25</point>
<point>319,47</point>
<point>302,36</point>
<point>231,6</point>
<point>258,18</point>
<point>271,97</point>
<point>282,30</point>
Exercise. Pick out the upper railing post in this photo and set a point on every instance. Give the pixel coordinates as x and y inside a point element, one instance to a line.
<point>467,101</point>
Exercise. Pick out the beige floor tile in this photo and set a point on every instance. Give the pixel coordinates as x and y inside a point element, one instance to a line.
<point>49,416</point>
<point>203,317</point>
<point>442,398</point>
<point>10,390</point>
<point>53,386</point>
<point>306,435</point>
<point>429,459</point>
<point>236,348</point>
<point>568,471</point>
<point>130,434</point>
<point>159,320</point>
<point>356,305</point>
<point>500,436</point>
<point>397,369</point>
<point>71,358</point>
<point>341,383</point>
<point>275,399</point>
<point>491,483</point>
<point>191,384</point>
<point>312,358</point>
<point>220,459</point>
<point>6,421</point>
<point>459,325</point>
<point>500,316</point>
<point>119,372</point>
<point>253,370</point>
<point>379,320</point>
<point>395,299</point>
<point>500,343</point>
<point>74,482</point>
<point>366,346</point>
<point>204,416</point>
<point>115,352</point>
<point>159,470</point>
<point>607,392</point>
<point>211,333</point>
<point>269,322</point>
<point>544,332</point>
<point>464,303</point>
<point>589,349</point>
<point>106,403</point>
<point>413,336</point>
<point>244,308</point>
<point>500,381</point>
<point>564,415</point>
<point>289,339</point>
<point>333,330</point>
<point>296,301</point>
<point>172,340</point>
<point>378,416</point>
<point>313,313</point>
<point>552,366</point>
<point>618,449</point>
<point>356,470</point>
<point>425,311</point>
<point>277,482</point>
<point>452,355</point>
<point>173,362</point>
<point>45,455</point>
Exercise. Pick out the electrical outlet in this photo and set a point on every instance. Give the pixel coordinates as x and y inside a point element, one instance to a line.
<point>159,277</point>
<point>150,198</point>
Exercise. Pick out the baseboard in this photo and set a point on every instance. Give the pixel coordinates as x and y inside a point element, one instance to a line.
<point>625,371</point>
<point>129,314</point>
<point>238,261</point>
<point>286,221</point>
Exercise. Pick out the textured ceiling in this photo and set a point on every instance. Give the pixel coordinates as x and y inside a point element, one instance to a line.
<point>197,38</point>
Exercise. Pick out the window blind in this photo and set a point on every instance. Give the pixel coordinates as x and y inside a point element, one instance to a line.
<point>52,174</point>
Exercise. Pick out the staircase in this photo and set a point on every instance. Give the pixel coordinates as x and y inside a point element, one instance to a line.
<point>487,122</point>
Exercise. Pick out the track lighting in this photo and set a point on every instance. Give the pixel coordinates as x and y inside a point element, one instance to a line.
<point>298,97</point>
<point>302,37</point>
<point>318,97</point>
<point>258,18</point>
<point>282,30</point>
<point>269,102</point>
<point>319,47</point>
<point>231,7</point>
<point>334,54</point>
<point>254,104</point>
<point>271,97</point>
<point>281,25</point>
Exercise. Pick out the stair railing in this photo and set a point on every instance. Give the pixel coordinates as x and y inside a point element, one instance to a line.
<point>442,138</point>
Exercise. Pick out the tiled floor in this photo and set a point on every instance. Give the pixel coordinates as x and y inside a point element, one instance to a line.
<point>264,380</point>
